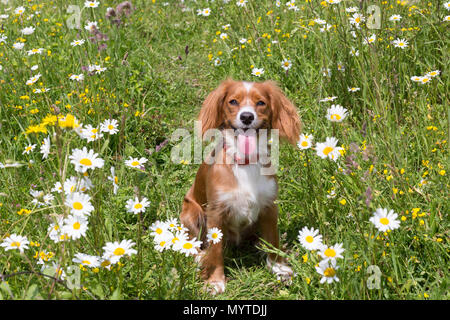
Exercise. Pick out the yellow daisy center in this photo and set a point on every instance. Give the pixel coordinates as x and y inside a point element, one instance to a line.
<point>162,243</point>
<point>119,251</point>
<point>384,221</point>
<point>336,116</point>
<point>77,205</point>
<point>187,245</point>
<point>15,244</point>
<point>138,206</point>
<point>158,231</point>
<point>86,162</point>
<point>330,253</point>
<point>135,163</point>
<point>327,150</point>
<point>85,262</point>
<point>110,127</point>
<point>329,272</point>
<point>175,240</point>
<point>358,20</point>
<point>214,235</point>
<point>309,239</point>
<point>304,143</point>
<point>76,225</point>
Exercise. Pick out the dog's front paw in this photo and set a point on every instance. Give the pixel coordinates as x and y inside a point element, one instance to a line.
<point>281,270</point>
<point>214,287</point>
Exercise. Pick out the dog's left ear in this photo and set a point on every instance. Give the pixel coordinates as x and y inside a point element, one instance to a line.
<point>284,114</point>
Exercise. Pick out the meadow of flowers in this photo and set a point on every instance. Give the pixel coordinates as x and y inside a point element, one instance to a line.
<point>91,91</point>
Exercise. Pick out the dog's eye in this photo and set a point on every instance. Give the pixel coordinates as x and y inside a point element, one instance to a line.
<point>260,103</point>
<point>234,102</point>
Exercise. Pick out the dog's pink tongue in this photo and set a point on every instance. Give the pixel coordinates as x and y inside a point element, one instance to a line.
<point>246,144</point>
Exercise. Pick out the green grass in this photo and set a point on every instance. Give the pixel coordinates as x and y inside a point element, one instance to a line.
<point>160,67</point>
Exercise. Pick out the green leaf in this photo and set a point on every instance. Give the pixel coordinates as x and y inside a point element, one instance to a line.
<point>117,295</point>
<point>32,293</point>
<point>5,287</point>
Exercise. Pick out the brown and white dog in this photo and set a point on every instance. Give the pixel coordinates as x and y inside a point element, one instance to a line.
<point>233,195</point>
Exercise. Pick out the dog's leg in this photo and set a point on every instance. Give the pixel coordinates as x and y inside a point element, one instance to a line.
<point>212,263</point>
<point>193,217</point>
<point>268,227</point>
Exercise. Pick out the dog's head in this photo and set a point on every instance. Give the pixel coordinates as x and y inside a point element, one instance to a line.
<point>250,105</point>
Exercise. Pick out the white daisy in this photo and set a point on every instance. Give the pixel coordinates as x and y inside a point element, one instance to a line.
<point>91,4</point>
<point>433,73</point>
<point>384,220</point>
<point>395,17</point>
<point>400,43</point>
<point>163,242</point>
<point>77,77</point>
<point>135,162</point>
<point>35,51</point>
<point>110,126</point>
<point>87,260</point>
<point>286,64</point>
<point>79,204</point>
<point>33,79</point>
<point>357,19</point>
<point>353,89</point>
<point>84,160</point>
<point>15,242</point>
<point>310,239</point>
<point>241,3</point>
<point>327,99</point>
<point>27,30</point>
<point>29,148</point>
<point>204,12</point>
<point>158,228</point>
<point>354,52</point>
<point>332,253</point>
<point>113,251</point>
<point>328,269</point>
<point>45,147</point>
<point>351,9</point>
<point>75,226</point>
<point>57,187</point>
<point>91,26</point>
<point>91,133</point>
<point>328,149</point>
<point>370,39</point>
<point>75,43</point>
<point>424,80</point>
<point>305,141</point>
<point>257,72</point>
<point>188,247</point>
<point>336,113</point>
<point>18,45</point>
<point>173,238</point>
<point>214,235</point>
<point>19,10</point>
<point>135,206</point>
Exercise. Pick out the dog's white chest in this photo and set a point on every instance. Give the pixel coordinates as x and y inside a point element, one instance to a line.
<point>253,192</point>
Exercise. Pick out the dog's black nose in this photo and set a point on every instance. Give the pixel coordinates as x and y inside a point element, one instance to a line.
<point>247,117</point>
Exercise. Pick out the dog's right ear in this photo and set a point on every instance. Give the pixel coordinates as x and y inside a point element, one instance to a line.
<point>211,114</point>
